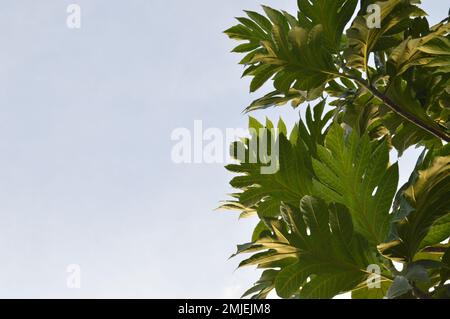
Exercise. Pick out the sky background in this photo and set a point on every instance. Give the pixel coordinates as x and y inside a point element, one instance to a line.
<point>86,175</point>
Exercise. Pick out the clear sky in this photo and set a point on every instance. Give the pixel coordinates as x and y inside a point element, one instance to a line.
<point>86,175</point>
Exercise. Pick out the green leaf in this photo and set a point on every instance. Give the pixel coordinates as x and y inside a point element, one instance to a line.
<point>261,76</point>
<point>425,51</point>
<point>245,47</point>
<point>276,98</point>
<point>445,271</point>
<point>264,193</point>
<point>365,292</point>
<point>261,20</point>
<point>354,163</point>
<point>399,287</point>
<point>438,232</point>
<point>298,58</point>
<point>405,133</point>
<point>363,38</point>
<point>331,255</point>
<point>332,15</point>
<point>330,285</point>
<point>263,286</point>
<point>276,17</point>
<point>425,198</point>
<point>290,279</point>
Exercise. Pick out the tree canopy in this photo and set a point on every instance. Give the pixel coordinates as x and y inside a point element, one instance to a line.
<point>334,208</point>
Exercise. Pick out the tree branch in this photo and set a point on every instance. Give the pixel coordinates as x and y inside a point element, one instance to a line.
<point>398,110</point>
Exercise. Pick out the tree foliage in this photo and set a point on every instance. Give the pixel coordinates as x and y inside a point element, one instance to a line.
<point>333,209</point>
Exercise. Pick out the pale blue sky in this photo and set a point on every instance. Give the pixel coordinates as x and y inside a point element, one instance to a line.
<point>85,171</point>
